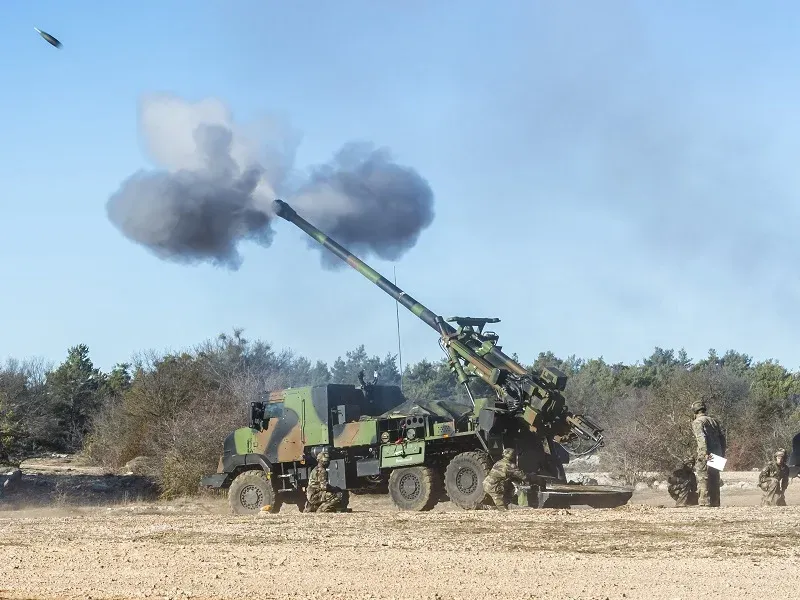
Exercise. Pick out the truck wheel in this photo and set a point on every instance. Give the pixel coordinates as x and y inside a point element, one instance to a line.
<point>414,488</point>
<point>250,492</point>
<point>463,479</point>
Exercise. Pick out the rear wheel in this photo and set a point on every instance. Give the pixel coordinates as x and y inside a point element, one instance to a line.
<point>463,479</point>
<point>251,492</point>
<point>414,488</point>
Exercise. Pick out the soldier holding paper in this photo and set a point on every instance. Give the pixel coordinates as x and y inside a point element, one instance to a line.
<point>710,440</point>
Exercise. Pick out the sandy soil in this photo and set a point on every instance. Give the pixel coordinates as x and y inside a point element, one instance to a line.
<point>195,549</point>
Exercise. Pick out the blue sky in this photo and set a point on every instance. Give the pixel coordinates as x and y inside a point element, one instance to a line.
<point>607,179</point>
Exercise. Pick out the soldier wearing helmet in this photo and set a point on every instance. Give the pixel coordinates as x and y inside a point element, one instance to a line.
<point>682,484</point>
<point>503,472</point>
<point>710,440</point>
<point>320,497</point>
<point>774,479</point>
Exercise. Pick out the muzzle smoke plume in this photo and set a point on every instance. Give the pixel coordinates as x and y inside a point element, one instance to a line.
<point>216,184</point>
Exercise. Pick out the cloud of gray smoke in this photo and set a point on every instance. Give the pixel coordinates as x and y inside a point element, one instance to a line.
<point>366,202</point>
<point>217,182</point>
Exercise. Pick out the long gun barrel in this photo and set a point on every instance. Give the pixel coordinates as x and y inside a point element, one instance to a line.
<point>488,365</point>
<point>285,211</point>
<point>475,353</point>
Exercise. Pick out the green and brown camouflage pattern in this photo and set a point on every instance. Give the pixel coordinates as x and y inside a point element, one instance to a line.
<point>534,399</point>
<point>366,433</point>
<point>359,433</point>
<point>344,420</point>
<point>371,430</point>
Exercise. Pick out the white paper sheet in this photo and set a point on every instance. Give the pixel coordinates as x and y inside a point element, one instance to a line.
<point>717,462</point>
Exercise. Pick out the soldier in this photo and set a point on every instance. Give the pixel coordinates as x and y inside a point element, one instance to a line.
<point>710,440</point>
<point>503,472</point>
<point>319,495</point>
<point>774,480</point>
<point>683,484</point>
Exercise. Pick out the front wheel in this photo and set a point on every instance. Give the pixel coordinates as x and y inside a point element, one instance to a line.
<point>414,488</point>
<point>252,492</point>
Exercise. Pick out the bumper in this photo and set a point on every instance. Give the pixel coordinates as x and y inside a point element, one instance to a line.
<point>215,481</point>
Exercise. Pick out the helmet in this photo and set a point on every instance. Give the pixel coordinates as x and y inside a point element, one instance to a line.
<point>780,452</point>
<point>323,458</point>
<point>509,453</point>
<point>689,461</point>
<point>698,406</point>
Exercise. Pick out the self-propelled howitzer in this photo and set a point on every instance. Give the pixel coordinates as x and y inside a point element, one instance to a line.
<point>535,400</point>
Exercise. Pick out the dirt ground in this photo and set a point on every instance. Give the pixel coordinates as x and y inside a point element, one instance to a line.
<point>132,548</point>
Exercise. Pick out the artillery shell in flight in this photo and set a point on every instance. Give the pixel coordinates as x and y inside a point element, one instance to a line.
<point>49,38</point>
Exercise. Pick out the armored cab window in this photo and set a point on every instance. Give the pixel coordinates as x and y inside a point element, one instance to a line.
<point>261,412</point>
<point>273,410</point>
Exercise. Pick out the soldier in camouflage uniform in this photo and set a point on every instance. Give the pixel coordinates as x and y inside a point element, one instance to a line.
<point>319,496</point>
<point>774,479</point>
<point>710,440</point>
<point>683,484</point>
<point>503,472</point>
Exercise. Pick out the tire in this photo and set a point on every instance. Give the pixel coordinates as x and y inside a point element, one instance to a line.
<point>414,488</point>
<point>250,492</point>
<point>463,479</point>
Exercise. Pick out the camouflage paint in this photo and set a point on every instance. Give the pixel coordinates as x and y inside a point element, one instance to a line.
<point>401,455</point>
<point>480,355</point>
<point>359,433</point>
<point>529,404</point>
<point>284,438</point>
<point>476,365</point>
<point>243,440</point>
<point>313,430</point>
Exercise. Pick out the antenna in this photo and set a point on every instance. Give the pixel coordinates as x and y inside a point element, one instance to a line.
<point>399,348</point>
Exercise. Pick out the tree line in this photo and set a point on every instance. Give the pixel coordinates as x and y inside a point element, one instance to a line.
<point>174,409</point>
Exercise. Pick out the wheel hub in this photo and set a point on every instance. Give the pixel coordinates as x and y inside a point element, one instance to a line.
<point>466,481</point>
<point>251,497</point>
<point>409,486</point>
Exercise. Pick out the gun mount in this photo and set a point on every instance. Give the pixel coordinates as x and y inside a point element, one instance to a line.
<point>534,401</point>
<point>377,439</point>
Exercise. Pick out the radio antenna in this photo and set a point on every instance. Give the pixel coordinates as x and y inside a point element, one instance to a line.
<point>399,347</point>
